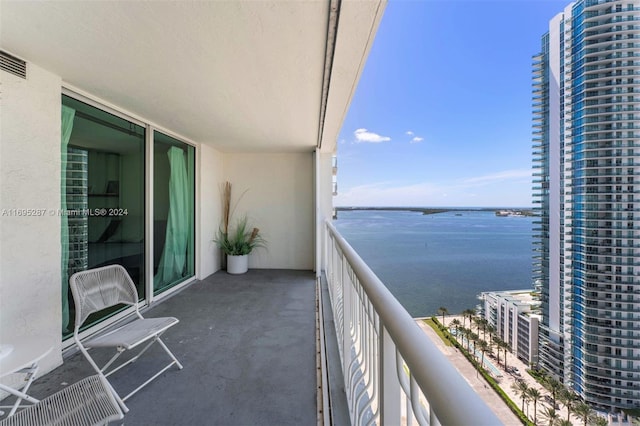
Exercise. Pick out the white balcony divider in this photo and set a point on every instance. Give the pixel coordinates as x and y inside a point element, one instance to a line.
<point>394,375</point>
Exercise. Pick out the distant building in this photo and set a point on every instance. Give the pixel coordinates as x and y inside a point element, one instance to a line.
<point>513,314</point>
<point>527,341</point>
<point>586,139</point>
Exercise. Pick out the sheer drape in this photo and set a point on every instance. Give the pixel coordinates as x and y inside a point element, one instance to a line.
<point>68,114</point>
<point>174,255</point>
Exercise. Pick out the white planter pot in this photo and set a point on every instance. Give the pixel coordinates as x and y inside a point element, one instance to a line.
<point>237,264</point>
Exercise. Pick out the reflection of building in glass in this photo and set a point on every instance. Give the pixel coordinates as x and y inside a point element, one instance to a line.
<point>77,178</point>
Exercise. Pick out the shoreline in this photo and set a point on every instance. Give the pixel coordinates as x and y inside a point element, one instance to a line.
<point>520,211</point>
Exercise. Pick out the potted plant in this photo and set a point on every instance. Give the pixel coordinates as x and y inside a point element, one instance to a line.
<point>236,243</point>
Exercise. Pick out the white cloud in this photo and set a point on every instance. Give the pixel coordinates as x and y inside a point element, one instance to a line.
<point>499,176</point>
<point>387,194</point>
<point>363,135</point>
<point>416,139</point>
<point>501,189</point>
<point>409,132</point>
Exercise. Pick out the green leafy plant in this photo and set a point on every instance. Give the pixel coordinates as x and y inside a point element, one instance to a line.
<point>239,241</point>
<point>244,238</point>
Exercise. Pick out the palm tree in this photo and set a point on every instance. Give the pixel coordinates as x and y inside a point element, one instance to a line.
<point>564,422</point>
<point>497,341</point>
<point>476,321</point>
<point>568,399</point>
<point>534,395</point>
<point>461,332</point>
<point>442,310</point>
<point>472,314</point>
<point>599,421</point>
<point>550,415</point>
<point>464,332</point>
<point>468,313</point>
<point>456,324</point>
<point>490,343</point>
<point>483,347</point>
<point>504,345</point>
<point>527,400</point>
<point>583,411</point>
<point>553,386</point>
<point>491,329</point>
<point>484,323</point>
<point>521,389</point>
<point>473,337</point>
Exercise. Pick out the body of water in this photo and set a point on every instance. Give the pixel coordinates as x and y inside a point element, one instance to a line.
<point>444,259</point>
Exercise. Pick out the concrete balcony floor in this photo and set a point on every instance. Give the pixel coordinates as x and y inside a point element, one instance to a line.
<point>248,347</point>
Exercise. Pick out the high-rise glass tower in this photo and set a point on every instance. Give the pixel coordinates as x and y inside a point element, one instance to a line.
<point>586,148</point>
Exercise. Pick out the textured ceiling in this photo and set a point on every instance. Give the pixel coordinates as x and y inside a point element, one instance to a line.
<point>240,76</point>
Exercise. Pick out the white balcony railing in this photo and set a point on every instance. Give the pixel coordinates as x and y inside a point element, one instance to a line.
<point>394,375</point>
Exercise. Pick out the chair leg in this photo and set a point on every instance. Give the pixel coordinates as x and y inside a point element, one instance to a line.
<point>100,371</point>
<point>175,360</point>
<point>18,394</point>
<point>104,374</point>
<point>104,368</point>
<point>31,376</point>
<point>166,349</point>
<point>149,380</point>
<point>119,400</point>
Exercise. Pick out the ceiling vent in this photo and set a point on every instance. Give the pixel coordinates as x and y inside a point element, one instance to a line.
<point>13,65</point>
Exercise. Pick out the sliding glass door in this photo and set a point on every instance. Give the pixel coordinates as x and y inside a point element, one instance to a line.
<point>173,211</point>
<point>102,198</point>
<point>103,195</point>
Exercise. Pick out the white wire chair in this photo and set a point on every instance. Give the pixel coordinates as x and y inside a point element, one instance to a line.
<point>88,402</point>
<point>100,288</point>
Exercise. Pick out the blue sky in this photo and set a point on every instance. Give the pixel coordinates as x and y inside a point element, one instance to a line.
<point>442,112</point>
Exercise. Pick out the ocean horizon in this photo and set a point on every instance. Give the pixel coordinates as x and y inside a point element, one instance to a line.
<point>433,207</point>
<point>441,259</point>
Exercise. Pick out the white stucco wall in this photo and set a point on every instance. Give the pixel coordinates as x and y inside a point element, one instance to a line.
<point>30,179</point>
<point>279,200</point>
<point>325,187</point>
<point>209,168</point>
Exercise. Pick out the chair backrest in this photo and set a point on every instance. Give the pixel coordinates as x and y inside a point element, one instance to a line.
<point>96,289</point>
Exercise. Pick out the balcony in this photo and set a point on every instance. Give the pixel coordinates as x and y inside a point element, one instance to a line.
<point>249,348</point>
<point>274,110</point>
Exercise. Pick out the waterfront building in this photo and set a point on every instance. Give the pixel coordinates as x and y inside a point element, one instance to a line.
<point>514,316</point>
<point>586,150</point>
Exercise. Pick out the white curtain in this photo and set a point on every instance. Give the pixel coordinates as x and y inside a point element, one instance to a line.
<point>68,114</point>
<point>174,255</point>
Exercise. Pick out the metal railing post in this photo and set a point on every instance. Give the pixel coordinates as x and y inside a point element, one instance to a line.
<point>389,386</point>
<point>346,324</point>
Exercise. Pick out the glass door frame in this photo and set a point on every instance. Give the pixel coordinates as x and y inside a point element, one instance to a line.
<point>149,298</point>
<point>149,237</point>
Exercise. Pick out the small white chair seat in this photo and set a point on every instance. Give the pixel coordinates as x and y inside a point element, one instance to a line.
<point>132,334</point>
<point>87,402</point>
